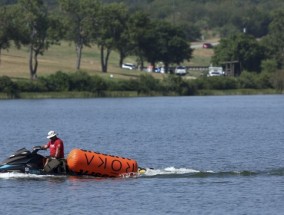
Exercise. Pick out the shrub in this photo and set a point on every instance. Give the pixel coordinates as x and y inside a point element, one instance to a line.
<point>248,80</point>
<point>129,85</point>
<point>8,86</point>
<point>32,86</point>
<point>113,84</point>
<point>97,84</point>
<point>189,88</point>
<point>269,66</point>
<point>58,82</point>
<point>278,80</point>
<point>217,83</point>
<point>80,81</point>
<point>147,83</point>
<point>264,80</point>
<point>201,83</point>
<point>172,83</point>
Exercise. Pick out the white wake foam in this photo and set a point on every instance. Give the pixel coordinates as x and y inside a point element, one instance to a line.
<point>169,171</point>
<point>11,175</point>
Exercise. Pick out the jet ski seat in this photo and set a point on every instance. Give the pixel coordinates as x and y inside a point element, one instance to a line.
<point>55,166</point>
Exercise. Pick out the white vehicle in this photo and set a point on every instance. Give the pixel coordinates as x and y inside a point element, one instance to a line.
<point>180,70</point>
<point>128,66</point>
<point>215,71</point>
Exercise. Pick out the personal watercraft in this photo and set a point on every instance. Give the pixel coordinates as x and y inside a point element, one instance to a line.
<point>25,161</point>
<point>78,162</point>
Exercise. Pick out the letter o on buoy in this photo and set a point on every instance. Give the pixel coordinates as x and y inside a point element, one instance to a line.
<point>116,165</point>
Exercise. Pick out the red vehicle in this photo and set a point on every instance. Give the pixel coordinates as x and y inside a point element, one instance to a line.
<point>207,46</point>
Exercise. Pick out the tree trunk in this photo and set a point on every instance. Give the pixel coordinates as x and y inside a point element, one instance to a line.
<point>154,65</point>
<point>35,65</point>
<point>79,48</point>
<point>33,56</point>
<point>107,58</point>
<point>166,67</point>
<point>31,63</point>
<point>141,62</point>
<point>104,58</point>
<point>121,59</point>
<point>142,65</point>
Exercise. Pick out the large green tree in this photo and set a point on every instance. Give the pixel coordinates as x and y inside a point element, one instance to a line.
<point>242,48</point>
<point>139,24</point>
<point>111,22</point>
<point>34,14</point>
<point>4,30</point>
<point>166,43</point>
<point>122,33</point>
<point>10,29</point>
<point>37,29</point>
<point>173,45</point>
<point>81,21</point>
<point>274,41</point>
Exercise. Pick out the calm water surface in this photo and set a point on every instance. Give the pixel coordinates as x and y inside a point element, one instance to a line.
<point>211,155</point>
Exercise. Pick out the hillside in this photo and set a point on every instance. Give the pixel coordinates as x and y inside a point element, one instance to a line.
<point>200,19</point>
<point>14,63</point>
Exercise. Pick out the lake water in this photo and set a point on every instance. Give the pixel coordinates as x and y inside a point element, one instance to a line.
<point>211,155</point>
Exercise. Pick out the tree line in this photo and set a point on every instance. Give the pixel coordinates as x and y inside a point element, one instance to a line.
<point>255,54</point>
<point>221,16</point>
<point>91,23</point>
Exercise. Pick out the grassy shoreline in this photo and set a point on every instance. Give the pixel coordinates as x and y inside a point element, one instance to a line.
<point>125,94</point>
<point>239,92</point>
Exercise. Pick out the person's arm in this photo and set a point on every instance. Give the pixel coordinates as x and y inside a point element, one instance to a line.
<point>44,147</point>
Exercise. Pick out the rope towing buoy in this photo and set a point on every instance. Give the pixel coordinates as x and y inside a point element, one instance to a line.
<point>84,162</point>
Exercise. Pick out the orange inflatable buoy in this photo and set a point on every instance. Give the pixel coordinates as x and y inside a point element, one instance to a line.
<point>85,162</point>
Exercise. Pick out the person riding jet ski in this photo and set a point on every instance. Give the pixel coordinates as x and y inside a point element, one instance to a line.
<point>56,148</point>
<point>55,145</point>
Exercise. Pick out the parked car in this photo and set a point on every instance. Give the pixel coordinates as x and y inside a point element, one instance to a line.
<point>215,71</point>
<point>128,66</point>
<point>180,70</point>
<point>157,69</point>
<point>207,46</point>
